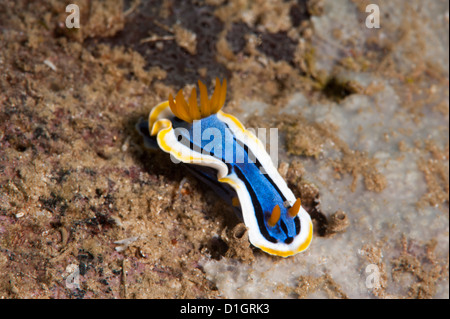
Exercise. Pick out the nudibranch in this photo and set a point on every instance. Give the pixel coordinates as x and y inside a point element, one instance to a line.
<point>234,164</point>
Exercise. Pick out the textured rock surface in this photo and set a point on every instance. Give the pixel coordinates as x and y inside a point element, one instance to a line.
<point>362,116</point>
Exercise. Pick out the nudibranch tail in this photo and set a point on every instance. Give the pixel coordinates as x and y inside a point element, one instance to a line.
<point>235,164</point>
<point>190,111</point>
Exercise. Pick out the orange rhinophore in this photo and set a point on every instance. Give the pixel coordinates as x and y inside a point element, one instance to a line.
<point>275,216</point>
